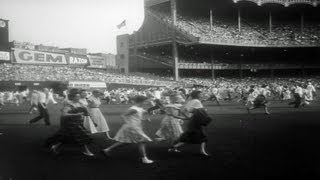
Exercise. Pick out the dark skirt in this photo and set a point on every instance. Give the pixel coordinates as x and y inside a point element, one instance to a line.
<point>71,131</point>
<point>194,133</point>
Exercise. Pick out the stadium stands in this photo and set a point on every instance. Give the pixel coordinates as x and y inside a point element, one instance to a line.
<point>225,31</point>
<point>22,72</point>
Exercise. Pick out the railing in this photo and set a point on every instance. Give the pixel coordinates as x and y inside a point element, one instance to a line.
<point>222,66</point>
<point>161,60</point>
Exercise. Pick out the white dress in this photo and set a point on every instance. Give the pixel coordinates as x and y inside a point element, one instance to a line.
<point>87,123</point>
<point>96,115</point>
<point>132,131</point>
<point>170,127</point>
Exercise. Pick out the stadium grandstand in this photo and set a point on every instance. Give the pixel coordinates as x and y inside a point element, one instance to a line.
<point>27,65</point>
<point>237,38</point>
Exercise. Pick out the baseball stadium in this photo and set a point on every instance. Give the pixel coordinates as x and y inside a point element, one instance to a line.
<point>226,38</point>
<point>237,78</point>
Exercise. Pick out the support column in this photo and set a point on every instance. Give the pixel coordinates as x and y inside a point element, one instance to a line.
<point>135,57</point>
<point>174,40</point>
<point>240,71</point>
<point>302,22</point>
<point>212,66</point>
<point>240,66</point>
<point>239,19</point>
<point>211,20</point>
<point>270,22</point>
<point>176,60</point>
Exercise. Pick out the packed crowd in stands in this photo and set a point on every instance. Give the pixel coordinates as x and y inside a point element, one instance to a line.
<point>225,31</point>
<point>22,72</point>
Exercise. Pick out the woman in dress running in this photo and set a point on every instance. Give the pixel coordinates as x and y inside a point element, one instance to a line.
<point>71,126</point>
<point>131,131</point>
<point>88,123</point>
<point>170,126</point>
<point>194,133</point>
<point>95,113</point>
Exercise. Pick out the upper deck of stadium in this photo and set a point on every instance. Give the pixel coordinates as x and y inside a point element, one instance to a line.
<point>252,23</point>
<point>149,3</point>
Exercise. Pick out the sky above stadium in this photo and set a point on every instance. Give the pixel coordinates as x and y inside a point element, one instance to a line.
<point>90,24</point>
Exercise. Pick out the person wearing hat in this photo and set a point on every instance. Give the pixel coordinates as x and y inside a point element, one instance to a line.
<point>94,103</point>
<point>131,132</point>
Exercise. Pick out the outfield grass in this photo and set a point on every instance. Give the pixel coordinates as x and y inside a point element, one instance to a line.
<point>284,144</point>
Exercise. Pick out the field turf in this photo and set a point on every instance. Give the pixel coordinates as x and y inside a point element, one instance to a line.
<point>283,145</point>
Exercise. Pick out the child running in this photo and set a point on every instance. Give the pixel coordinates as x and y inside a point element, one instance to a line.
<point>131,131</point>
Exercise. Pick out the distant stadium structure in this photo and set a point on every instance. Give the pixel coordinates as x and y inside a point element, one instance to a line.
<point>225,38</point>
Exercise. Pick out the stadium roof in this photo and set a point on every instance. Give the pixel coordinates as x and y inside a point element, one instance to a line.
<point>149,3</point>
<point>286,3</point>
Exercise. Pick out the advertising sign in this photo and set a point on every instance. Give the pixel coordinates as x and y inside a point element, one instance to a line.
<point>23,56</point>
<point>96,62</point>
<point>77,59</point>
<point>4,56</point>
<point>87,84</point>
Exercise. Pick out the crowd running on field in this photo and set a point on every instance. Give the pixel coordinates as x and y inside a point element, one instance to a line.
<point>223,89</point>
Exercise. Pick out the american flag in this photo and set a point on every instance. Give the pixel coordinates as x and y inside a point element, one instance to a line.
<point>122,24</point>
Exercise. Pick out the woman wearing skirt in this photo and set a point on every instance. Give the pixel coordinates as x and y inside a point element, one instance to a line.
<point>170,126</point>
<point>194,133</point>
<point>95,113</point>
<point>131,131</point>
<point>88,123</point>
<point>71,126</point>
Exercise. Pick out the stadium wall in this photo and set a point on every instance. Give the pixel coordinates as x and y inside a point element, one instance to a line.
<point>123,53</point>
